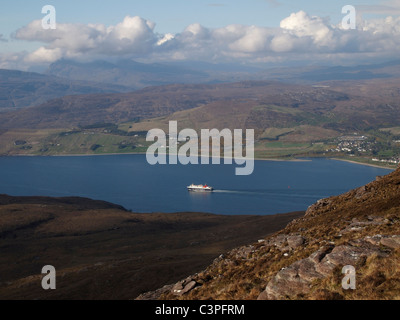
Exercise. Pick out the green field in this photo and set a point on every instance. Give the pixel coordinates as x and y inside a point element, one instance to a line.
<point>394,131</point>
<point>93,143</point>
<point>279,109</point>
<point>273,143</point>
<point>79,142</point>
<point>280,149</point>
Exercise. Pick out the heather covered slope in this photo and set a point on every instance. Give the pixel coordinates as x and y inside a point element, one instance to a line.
<point>253,105</point>
<point>102,251</point>
<point>72,111</point>
<point>305,260</point>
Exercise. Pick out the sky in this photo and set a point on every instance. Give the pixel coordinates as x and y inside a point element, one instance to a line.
<point>238,31</point>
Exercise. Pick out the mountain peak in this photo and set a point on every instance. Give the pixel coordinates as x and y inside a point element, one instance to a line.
<point>126,72</point>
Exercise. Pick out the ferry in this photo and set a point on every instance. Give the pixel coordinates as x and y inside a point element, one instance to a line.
<point>201,188</point>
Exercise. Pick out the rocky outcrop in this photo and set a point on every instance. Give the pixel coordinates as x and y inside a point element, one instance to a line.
<point>315,209</point>
<point>183,287</point>
<point>357,225</point>
<point>284,242</point>
<point>391,242</point>
<point>178,289</point>
<point>297,279</point>
<point>242,252</point>
<point>295,241</point>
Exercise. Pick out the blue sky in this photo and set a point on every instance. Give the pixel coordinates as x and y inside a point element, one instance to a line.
<point>171,16</point>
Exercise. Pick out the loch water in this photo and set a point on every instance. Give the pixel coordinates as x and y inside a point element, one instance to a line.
<point>128,180</point>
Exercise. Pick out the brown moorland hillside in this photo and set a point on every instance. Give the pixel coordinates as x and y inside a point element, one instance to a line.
<point>257,105</point>
<point>304,261</point>
<point>71,111</point>
<point>102,251</point>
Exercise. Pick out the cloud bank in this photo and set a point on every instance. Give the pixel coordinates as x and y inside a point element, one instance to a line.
<point>299,36</point>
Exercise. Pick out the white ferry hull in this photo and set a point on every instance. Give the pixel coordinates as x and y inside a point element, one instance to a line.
<point>200,188</point>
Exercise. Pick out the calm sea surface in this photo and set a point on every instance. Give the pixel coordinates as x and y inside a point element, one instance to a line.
<point>274,187</point>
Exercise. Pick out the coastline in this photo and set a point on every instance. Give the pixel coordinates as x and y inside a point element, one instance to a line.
<point>255,159</point>
<point>141,153</point>
<point>364,164</point>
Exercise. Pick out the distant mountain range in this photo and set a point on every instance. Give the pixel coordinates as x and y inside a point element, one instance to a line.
<point>312,74</point>
<point>20,89</point>
<point>127,73</point>
<point>139,75</point>
<point>66,77</point>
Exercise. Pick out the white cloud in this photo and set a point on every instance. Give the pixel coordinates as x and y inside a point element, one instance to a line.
<point>43,55</point>
<point>253,39</point>
<point>299,36</point>
<point>283,43</point>
<point>167,37</point>
<point>302,25</point>
<point>133,35</point>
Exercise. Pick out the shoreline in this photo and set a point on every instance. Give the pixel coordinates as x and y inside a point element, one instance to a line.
<point>364,164</point>
<point>255,159</point>
<point>142,153</point>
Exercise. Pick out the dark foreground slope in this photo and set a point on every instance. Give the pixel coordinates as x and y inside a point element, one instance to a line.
<point>305,260</point>
<point>102,251</point>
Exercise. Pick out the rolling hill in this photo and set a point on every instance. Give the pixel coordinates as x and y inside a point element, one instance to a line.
<point>252,104</point>
<point>20,89</point>
<point>70,111</point>
<point>153,102</point>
